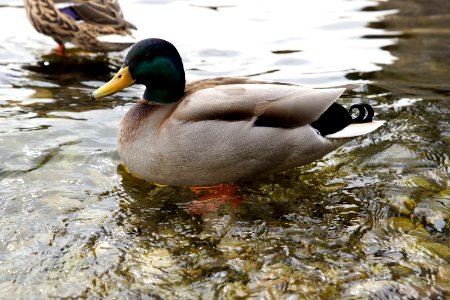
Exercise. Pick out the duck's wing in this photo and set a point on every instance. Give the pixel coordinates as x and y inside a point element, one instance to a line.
<point>262,103</point>
<point>100,12</point>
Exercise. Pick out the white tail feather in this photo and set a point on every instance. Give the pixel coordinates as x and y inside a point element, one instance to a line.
<point>356,129</point>
<point>115,38</point>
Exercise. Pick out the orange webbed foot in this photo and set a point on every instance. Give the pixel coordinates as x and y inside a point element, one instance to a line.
<point>210,198</point>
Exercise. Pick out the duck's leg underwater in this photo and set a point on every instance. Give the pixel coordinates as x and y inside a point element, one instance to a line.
<point>210,198</point>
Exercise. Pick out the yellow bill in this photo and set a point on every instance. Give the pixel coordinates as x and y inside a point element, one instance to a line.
<point>119,82</point>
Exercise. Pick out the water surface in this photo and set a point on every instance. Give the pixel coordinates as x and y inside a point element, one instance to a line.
<point>370,220</point>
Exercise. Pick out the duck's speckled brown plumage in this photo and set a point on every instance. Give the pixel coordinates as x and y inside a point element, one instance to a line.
<point>97,18</point>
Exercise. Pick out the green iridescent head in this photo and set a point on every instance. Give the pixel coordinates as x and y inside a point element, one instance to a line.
<point>154,63</point>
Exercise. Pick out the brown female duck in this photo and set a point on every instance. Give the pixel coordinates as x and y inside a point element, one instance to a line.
<point>81,22</point>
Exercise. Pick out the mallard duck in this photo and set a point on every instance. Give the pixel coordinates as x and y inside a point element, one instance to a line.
<point>223,130</point>
<point>81,23</point>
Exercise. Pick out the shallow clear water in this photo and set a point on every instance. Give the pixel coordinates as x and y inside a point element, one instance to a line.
<point>370,220</point>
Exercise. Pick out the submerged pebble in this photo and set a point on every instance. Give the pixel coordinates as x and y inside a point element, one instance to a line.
<point>438,220</point>
<point>404,204</point>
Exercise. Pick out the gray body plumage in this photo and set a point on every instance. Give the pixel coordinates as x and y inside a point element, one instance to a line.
<point>209,136</point>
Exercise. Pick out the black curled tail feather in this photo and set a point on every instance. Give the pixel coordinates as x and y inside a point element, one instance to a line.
<point>363,109</point>
<point>336,118</point>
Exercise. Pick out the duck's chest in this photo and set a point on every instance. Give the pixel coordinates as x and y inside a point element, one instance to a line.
<point>141,129</point>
